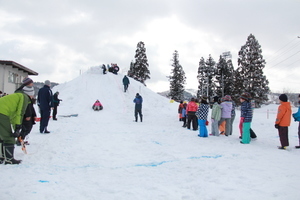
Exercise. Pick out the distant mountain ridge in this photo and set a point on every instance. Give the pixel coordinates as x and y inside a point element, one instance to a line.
<point>188,94</point>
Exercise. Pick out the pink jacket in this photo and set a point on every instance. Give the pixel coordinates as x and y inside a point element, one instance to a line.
<point>191,107</point>
<point>97,103</point>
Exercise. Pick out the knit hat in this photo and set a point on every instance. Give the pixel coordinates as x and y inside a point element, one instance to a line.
<point>204,98</point>
<point>28,90</point>
<point>216,98</point>
<point>47,82</point>
<point>283,98</point>
<point>246,96</point>
<point>227,98</point>
<point>27,81</point>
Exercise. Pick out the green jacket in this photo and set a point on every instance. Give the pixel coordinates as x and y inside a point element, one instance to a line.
<point>216,112</point>
<point>14,106</point>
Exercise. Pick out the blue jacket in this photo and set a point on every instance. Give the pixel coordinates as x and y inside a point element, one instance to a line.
<point>45,98</point>
<point>246,111</point>
<point>138,102</point>
<point>297,115</point>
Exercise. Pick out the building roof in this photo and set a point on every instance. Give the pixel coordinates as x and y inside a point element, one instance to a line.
<point>19,66</point>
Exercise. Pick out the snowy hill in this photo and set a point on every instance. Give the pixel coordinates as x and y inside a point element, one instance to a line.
<point>105,155</point>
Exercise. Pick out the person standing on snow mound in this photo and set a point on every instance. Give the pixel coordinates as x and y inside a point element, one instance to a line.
<point>125,83</point>
<point>138,107</point>
<point>56,102</point>
<point>45,103</point>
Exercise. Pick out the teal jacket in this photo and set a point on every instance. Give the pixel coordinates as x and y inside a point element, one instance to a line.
<point>14,107</point>
<point>297,115</point>
<point>216,111</point>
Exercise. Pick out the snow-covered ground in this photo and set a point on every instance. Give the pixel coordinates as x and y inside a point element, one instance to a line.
<point>106,155</point>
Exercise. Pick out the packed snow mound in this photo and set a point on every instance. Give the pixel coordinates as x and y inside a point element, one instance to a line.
<point>79,95</point>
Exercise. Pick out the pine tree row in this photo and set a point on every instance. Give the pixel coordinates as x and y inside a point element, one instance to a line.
<point>214,79</point>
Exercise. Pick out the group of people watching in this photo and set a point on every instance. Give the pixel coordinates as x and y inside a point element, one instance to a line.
<point>17,116</point>
<point>194,114</point>
<point>114,68</point>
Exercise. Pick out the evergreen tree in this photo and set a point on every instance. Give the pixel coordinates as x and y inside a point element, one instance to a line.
<point>229,81</point>
<point>206,74</point>
<point>201,78</point>
<point>139,70</point>
<point>130,71</point>
<point>224,77</point>
<point>177,79</point>
<point>210,73</point>
<point>250,77</point>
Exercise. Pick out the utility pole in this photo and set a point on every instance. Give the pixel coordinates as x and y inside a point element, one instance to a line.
<point>225,55</point>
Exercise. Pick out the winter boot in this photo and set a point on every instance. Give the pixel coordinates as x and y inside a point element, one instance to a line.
<point>297,147</point>
<point>141,118</point>
<point>1,152</point>
<point>9,154</point>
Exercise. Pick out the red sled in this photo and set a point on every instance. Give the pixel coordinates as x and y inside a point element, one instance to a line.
<point>38,119</point>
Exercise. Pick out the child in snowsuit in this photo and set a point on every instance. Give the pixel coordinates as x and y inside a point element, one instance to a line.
<point>97,106</point>
<point>191,109</point>
<point>202,114</point>
<point>183,115</point>
<point>283,120</point>
<point>226,113</point>
<point>215,117</point>
<point>297,118</point>
<point>180,110</point>
<point>246,117</point>
<point>28,118</point>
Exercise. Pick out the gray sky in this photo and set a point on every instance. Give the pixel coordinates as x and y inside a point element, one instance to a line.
<point>60,38</point>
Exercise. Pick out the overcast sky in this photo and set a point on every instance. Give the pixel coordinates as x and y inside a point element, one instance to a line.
<point>61,38</point>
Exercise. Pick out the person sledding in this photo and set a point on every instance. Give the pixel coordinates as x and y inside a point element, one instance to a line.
<point>97,106</point>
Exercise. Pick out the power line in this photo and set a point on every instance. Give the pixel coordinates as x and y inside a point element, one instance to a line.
<point>284,59</point>
<point>287,51</point>
<point>283,47</point>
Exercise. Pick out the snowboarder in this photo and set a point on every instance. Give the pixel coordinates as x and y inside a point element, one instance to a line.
<point>45,103</point>
<point>97,106</point>
<point>138,107</point>
<point>126,82</point>
<point>283,120</point>
<point>56,102</point>
<point>246,117</point>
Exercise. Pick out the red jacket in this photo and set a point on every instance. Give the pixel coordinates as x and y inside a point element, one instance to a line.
<point>191,107</point>
<point>284,114</point>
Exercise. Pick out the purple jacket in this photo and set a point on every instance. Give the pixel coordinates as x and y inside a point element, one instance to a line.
<point>226,109</point>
